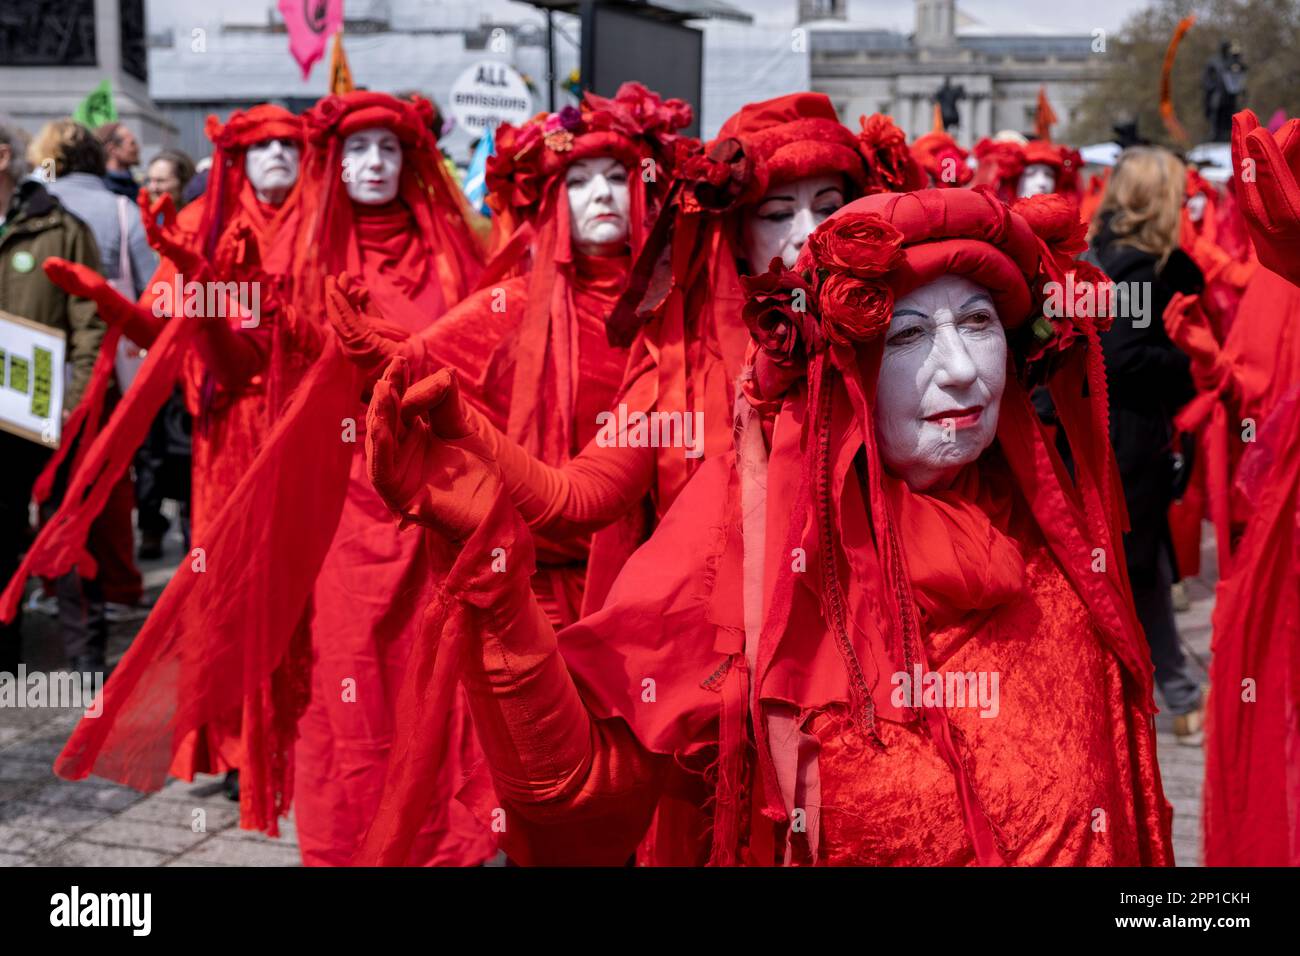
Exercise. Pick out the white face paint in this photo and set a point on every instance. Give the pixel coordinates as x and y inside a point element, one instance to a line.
<point>272,168</point>
<point>942,375</point>
<point>372,165</point>
<point>1038,178</point>
<point>599,205</point>
<point>780,223</point>
<point>1196,206</point>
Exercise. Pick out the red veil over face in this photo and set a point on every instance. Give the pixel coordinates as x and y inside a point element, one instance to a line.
<point>229,632</point>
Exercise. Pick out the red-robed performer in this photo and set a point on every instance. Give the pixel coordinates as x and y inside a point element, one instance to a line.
<point>583,185</point>
<point>1225,279</point>
<point>944,162</point>
<point>907,517</point>
<point>218,238</point>
<point>777,169</point>
<point>241,232</point>
<point>1250,409</point>
<point>300,581</point>
<point>1018,170</point>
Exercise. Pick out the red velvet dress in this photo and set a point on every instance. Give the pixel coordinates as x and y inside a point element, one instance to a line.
<point>1065,777</point>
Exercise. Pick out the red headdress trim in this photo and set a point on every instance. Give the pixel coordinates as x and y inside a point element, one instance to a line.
<point>446,224</point>
<point>227,177</point>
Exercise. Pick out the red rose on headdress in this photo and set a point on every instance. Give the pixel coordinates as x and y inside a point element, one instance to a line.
<point>713,181</point>
<point>1055,220</point>
<point>778,313</point>
<point>863,245</point>
<point>853,310</point>
<point>514,173</point>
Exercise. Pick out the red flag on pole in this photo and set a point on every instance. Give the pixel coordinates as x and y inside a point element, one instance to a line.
<point>1045,118</point>
<point>340,72</point>
<point>310,24</point>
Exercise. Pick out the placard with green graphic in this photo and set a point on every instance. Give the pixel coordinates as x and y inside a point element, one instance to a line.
<point>32,377</point>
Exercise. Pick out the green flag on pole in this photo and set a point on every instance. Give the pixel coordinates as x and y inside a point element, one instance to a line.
<point>97,108</point>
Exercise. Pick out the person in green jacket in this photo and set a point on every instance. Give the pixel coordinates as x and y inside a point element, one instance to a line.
<point>34,226</point>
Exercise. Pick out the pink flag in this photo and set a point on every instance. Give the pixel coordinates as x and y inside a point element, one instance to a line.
<point>310,24</point>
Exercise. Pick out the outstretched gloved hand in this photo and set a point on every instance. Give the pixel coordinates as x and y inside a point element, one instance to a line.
<point>1267,167</point>
<point>1190,330</point>
<point>166,237</point>
<point>425,458</point>
<point>368,341</point>
<point>138,324</point>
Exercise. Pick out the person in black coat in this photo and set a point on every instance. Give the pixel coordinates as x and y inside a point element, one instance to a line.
<point>1135,241</point>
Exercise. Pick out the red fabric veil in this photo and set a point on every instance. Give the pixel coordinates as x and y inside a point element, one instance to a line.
<point>229,632</point>
<point>829,637</point>
<point>684,306</point>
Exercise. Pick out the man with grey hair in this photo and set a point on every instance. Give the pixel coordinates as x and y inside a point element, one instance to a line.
<point>33,227</point>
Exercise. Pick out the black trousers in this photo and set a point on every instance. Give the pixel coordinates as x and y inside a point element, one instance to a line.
<point>22,463</point>
<point>1155,609</point>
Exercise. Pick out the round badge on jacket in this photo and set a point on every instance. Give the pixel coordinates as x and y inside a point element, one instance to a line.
<point>24,261</point>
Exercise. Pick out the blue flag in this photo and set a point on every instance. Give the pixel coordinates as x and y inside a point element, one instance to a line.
<point>476,175</point>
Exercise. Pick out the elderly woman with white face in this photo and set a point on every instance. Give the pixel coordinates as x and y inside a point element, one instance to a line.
<point>893,628</point>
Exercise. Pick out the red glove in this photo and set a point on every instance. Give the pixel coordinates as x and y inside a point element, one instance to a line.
<point>368,341</point>
<point>425,459</point>
<point>1190,330</point>
<point>167,239</point>
<point>138,324</point>
<point>1267,166</point>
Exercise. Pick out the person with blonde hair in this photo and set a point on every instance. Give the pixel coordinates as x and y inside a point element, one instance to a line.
<point>1135,239</point>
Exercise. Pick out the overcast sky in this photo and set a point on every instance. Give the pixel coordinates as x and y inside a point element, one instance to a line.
<point>1003,16</point>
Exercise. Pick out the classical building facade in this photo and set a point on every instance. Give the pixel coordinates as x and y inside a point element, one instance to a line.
<point>54,52</point>
<point>869,71</point>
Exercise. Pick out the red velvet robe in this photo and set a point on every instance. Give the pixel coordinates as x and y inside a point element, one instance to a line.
<point>366,606</point>
<point>1065,778</point>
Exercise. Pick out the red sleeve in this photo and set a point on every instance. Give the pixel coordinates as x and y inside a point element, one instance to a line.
<point>575,790</point>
